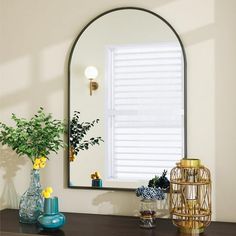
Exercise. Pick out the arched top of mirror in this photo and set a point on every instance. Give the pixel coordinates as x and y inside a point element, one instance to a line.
<point>128,25</point>
<point>120,27</point>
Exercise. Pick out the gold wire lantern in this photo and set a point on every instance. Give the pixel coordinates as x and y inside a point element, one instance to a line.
<point>190,196</point>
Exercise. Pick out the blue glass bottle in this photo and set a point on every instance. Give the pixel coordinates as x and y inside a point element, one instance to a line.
<point>51,219</point>
<point>31,202</point>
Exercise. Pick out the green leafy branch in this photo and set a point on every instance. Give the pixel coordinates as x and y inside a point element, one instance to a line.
<point>35,137</point>
<point>78,131</point>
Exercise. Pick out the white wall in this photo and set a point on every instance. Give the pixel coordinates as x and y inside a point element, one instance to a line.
<point>36,37</point>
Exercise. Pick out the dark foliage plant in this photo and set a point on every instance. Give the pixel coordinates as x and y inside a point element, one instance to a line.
<point>160,182</point>
<point>78,132</point>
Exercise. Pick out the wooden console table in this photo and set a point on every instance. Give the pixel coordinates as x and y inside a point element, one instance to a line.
<point>103,225</point>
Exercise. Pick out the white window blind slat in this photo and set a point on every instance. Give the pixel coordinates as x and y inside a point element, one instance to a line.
<point>147,137</point>
<point>147,157</point>
<point>141,75</point>
<point>147,106</point>
<point>141,143</point>
<point>151,68</point>
<point>141,163</point>
<point>161,47</point>
<point>148,125</point>
<point>143,82</point>
<point>145,111</point>
<point>162,150</point>
<point>168,55</point>
<point>135,176</point>
<point>149,131</point>
<point>147,62</point>
<point>135,170</point>
<point>149,94</point>
<point>156,88</point>
<point>146,101</point>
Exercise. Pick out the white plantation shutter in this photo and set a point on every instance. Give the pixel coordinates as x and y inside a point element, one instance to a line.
<point>145,107</point>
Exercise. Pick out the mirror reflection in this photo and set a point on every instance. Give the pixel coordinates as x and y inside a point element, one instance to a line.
<point>126,100</point>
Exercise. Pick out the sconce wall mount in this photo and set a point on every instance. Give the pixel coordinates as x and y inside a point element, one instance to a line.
<point>91,73</point>
<point>93,85</point>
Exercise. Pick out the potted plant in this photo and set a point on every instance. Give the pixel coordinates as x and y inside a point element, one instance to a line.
<point>35,138</point>
<point>78,132</point>
<point>160,182</point>
<point>148,205</point>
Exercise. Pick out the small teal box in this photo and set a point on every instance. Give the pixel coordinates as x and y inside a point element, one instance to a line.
<point>97,183</point>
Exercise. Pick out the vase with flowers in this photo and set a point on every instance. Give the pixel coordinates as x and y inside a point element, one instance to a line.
<point>148,205</point>
<point>51,218</point>
<point>35,138</point>
<point>149,196</point>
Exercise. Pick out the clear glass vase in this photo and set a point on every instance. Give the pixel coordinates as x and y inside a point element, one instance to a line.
<point>148,209</point>
<point>31,202</point>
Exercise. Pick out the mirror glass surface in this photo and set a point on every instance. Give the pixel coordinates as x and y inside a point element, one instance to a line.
<point>139,100</point>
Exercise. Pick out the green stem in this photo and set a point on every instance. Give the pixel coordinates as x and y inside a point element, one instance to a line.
<point>31,160</point>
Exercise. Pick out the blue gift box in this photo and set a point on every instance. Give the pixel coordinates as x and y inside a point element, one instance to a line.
<point>97,183</point>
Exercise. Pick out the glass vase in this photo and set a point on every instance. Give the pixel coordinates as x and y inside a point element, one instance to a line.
<point>148,209</point>
<point>31,202</point>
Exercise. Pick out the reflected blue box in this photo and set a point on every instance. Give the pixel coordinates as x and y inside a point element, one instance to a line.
<point>97,183</point>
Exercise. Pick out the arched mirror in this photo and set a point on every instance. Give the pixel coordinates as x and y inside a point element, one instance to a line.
<point>127,116</point>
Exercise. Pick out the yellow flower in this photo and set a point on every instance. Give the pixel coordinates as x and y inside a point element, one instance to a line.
<point>37,161</point>
<point>47,192</point>
<point>93,176</point>
<point>49,189</point>
<point>42,164</point>
<point>97,174</point>
<point>36,166</point>
<point>43,159</point>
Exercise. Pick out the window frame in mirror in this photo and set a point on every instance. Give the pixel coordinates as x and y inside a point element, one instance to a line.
<point>69,83</point>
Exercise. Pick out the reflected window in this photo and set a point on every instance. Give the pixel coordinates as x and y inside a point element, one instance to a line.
<point>144,110</point>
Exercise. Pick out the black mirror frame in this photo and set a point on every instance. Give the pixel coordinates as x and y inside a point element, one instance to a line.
<point>68,110</point>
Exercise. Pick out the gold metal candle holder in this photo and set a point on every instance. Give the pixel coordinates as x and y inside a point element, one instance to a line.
<point>190,196</point>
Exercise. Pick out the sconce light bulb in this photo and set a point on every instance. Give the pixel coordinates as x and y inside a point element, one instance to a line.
<point>91,72</point>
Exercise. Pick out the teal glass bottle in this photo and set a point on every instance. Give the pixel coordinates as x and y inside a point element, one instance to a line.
<point>51,219</point>
<point>31,202</point>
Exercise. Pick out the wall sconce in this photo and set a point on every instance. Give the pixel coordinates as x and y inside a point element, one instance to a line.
<point>190,196</point>
<point>91,73</point>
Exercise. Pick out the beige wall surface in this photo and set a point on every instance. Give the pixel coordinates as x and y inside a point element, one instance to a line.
<point>35,40</point>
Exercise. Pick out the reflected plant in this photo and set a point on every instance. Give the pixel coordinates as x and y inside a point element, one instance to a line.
<point>78,131</point>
